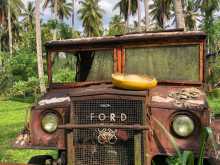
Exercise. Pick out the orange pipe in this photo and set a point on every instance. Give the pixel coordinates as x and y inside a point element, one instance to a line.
<point>119,60</point>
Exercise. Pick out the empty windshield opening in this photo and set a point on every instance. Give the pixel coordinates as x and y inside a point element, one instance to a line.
<point>82,66</point>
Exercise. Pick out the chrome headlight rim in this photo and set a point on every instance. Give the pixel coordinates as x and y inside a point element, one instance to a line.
<point>45,114</point>
<point>189,116</point>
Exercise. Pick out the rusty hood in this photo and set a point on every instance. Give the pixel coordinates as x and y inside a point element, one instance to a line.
<point>163,96</point>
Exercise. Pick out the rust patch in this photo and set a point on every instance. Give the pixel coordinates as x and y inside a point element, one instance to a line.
<point>182,98</point>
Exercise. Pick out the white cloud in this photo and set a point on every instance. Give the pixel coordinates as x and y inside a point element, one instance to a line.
<point>107,6</point>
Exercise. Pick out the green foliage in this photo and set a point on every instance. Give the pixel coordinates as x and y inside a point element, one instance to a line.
<point>206,134</point>
<point>18,76</point>
<point>64,31</point>
<point>214,104</point>
<point>91,15</point>
<point>28,42</point>
<point>64,75</point>
<point>187,157</point>
<point>15,7</point>
<point>64,8</point>
<point>25,88</point>
<point>28,16</point>
<point>208,8</point>
<point>191,14</point>
<point>123,6</point>
<point>214,93</point>
<point>116,26</point>
<point>23,65</point>
<point>161,10</point>
<point>213,67</point>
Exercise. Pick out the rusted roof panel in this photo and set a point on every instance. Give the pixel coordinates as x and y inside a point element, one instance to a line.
<point>115,40</point>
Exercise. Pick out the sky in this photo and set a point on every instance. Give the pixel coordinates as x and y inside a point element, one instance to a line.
<point>107,5</point>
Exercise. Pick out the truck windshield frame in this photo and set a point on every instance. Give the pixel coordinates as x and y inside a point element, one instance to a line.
<point>119,47</point>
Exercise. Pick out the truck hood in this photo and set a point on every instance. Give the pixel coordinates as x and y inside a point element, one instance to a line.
<point>163,96</point>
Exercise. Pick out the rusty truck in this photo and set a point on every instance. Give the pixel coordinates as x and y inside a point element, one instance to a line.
<point>91,122</point>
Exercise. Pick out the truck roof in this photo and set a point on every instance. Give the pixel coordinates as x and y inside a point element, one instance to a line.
<point>117,41</point>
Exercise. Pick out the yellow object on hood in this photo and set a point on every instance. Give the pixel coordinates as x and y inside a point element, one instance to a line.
<point>133,81</point>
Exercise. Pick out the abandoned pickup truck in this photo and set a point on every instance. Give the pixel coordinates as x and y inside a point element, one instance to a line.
<point>91,122</point>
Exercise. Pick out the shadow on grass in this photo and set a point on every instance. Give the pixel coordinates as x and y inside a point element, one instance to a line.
<point>22,99</point>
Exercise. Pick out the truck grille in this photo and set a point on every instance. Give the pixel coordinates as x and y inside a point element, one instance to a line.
<point>90,148</point>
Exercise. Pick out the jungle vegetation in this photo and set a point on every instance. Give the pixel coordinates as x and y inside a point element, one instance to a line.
<point>23,31</point>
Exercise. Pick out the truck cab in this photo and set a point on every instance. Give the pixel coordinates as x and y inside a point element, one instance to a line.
<point>89,121</point>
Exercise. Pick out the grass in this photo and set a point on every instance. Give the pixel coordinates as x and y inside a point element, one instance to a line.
<point>214,100</point>
<point>214,103</point>
<point>12,117</point>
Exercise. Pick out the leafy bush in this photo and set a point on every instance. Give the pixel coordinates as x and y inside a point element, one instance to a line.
<point>18,73</point>
<point>25,88</point>
<point>23,65</point>
<point>63,75</point>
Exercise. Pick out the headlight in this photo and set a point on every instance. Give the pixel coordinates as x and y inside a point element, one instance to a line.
<point>183,125</point>
<point>49,122</point>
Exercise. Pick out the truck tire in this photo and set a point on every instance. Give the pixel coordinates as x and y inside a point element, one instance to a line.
<point>40,159</point>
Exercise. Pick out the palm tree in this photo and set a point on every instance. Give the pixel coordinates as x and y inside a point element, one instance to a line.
<point>28,15</point>
<point>161,12</point>
<point>10,10</point>
<point>91,15</point>
<point>127,8</point>
<point>178,7</point>
<point>60,8</point>
<point>146,10</point>
<point>191,14</point>
<point>73,13</point>
<point>116,26</point>
<point>39,46</point>
<point>208,7</point>
<point>139,14</point>
<point>9,27</point>
<point>3,11</point>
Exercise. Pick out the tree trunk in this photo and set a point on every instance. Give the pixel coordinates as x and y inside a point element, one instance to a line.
<point>180,21</point>
<point>55,18</point>
<point>73,14</point>
<point>164,21</point>
<point>139,14</point>
<point>39,47</point>
<point>146,9</point>
<point>129,13</point>
<point>9,28</point>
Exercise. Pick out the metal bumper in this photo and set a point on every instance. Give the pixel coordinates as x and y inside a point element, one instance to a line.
<point>90,126</point>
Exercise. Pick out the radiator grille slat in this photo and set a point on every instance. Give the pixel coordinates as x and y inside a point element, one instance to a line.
<point>106,111</point>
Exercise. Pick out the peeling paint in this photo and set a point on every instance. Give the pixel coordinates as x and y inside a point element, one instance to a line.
<point>54,100</point>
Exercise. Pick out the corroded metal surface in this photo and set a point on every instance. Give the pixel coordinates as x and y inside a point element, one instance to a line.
<point>63,44</point>
<point>89,126</point>
<point>183,98</point>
